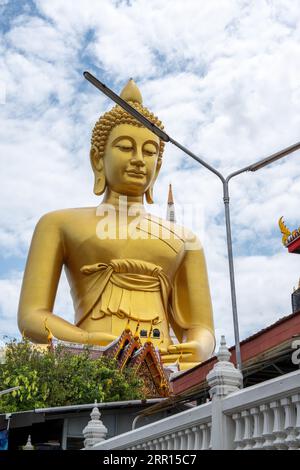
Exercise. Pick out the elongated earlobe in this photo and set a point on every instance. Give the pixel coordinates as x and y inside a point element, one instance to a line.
<point>100,184</point>
<point>149,195</point>
<point>97,165</point>
<point>149,191</point>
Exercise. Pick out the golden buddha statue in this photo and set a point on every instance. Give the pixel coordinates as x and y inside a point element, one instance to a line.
<point>126,268</point>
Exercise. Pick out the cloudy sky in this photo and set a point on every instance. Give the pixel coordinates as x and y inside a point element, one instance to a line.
<point>223,75</point>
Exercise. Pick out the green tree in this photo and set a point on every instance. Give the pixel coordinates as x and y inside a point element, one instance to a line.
<point>60,378</point>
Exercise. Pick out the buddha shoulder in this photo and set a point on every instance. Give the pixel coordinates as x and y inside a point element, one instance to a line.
<point>64,218</point>
<point>174,231</point>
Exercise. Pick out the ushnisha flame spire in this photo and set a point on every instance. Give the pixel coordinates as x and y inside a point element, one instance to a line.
<point>131,92</point>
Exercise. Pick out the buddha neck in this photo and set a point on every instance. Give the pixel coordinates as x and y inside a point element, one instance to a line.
<point>122,202</point>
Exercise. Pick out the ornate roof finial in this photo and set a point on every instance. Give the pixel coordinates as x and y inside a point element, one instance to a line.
<point>223,353</point>
<point>127,327</point>
<point>131,92</point>
<point>284,230</point>
<point>28,445</point>
<point>223,378</point>
<point>136,333</point>
<point>49,336</point>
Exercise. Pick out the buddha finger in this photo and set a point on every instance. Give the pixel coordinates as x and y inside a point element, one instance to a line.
<point>170,358</point>
<point>189,347</point>
<point>163,351</point>
<point>98,338</point>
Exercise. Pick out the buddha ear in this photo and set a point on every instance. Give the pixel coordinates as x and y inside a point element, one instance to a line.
<point>149,192</point>
<point>98,169</point>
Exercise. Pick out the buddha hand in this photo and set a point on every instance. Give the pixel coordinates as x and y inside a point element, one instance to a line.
<point>198,347</point>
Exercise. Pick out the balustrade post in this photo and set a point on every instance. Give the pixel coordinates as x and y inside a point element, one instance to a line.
<point>189,439</point>
<point>258,427</point>
<point>239,431</point>
<point>95,431</point>
<point>296,402</point>
<point>169,441</point>
<point>278,428</point>
<point>197,440</point>
<point>205,437</point>
<point>268,423</point>
<point>248,432</point>
<point>290,422</point>
<point>223,379</point>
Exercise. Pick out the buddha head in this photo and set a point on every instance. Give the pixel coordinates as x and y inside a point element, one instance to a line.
<point>125,156</point>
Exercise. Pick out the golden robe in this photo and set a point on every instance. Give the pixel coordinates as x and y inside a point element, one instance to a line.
<point>166,289</point>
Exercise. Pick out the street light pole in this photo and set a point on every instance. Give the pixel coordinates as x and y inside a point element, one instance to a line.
<point>226,200</point>
<point>225,182</point>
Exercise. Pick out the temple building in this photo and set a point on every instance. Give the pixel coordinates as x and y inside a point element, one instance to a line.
<point>296,299</point>
<point>129,352</point>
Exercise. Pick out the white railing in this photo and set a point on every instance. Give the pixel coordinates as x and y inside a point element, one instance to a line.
<point>264,416</point>
<point>188,430</point>
<point>267,416</point>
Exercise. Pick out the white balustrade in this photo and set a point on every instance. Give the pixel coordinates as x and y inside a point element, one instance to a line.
<point>264,416</point>
<point>267,416</point>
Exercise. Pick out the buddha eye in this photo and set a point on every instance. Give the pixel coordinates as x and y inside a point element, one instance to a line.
<point>150,150</point>
<point>125,148</point>
<point>150,154</point>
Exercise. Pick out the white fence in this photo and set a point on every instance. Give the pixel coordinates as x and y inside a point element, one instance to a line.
<point>264,416</point>
<point>190,429</point>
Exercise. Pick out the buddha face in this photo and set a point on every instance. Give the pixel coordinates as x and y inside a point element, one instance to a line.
<point>130,160</point>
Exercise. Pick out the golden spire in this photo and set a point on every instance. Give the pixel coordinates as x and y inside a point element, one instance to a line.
<point>131,92</point>
<point>284,230</point>
<point>170,195</point>
<point>171,207</point>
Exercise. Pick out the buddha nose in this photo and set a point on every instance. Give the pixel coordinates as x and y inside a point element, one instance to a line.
<point>138,158</point>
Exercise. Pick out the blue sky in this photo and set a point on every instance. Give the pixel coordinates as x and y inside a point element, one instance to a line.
<point>223,75</point>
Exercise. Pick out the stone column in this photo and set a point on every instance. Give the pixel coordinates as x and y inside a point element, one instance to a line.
<point>223,379</point>
<point>28,445</point>
<point>95,431</point>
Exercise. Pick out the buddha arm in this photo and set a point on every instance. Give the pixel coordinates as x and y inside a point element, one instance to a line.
<point>192,306</point>
<point>41,277</point>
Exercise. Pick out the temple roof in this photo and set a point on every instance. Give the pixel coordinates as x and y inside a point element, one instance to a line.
<point>130,352</point>
<point>143,358</point>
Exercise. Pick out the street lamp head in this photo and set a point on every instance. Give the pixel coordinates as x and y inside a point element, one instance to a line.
<point>275,156</point>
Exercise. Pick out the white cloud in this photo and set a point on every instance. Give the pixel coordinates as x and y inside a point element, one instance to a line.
<point>9,294</point>
<point>224,78</point>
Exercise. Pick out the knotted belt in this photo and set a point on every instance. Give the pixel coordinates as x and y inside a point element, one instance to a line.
<point>127,288</point>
